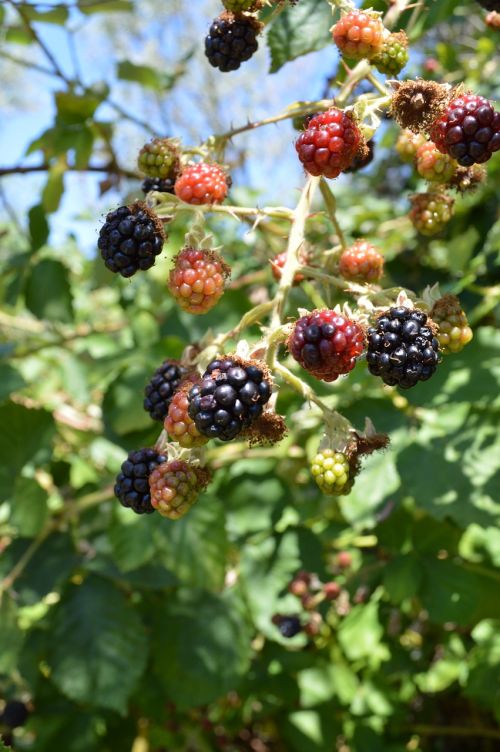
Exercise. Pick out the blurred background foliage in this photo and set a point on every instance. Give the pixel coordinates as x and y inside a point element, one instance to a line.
<point>126,633</point>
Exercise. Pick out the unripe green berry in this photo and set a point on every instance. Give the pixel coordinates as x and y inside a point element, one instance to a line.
<point>393,56</point>
<point>330,470</point>
<point>431,212</point>
<point>159,158</point>
<point>434,166</point>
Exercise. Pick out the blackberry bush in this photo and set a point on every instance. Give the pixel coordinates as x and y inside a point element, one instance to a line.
<point>402,347</point>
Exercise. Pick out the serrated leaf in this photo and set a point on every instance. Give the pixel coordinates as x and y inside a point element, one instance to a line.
<point>299,30</point>
<point>53,276</point>
<point>28,507</point>
<point>202,530</point>
<point>24,432</point>
<point>201,644</point>
<point>131,539</point>
<point>99,649</point>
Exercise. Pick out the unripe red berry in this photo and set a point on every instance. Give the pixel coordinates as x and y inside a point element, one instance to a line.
<point>361,263</point>
<point>434,166</point>
<point>329,143</point>
<point>175,487</point>
<point>344,559</point>
<point>202,183</point>
<point>197,279</point>
<point>179,426</point>
<point>331,590</point>
<point>408,144</point>
<point>431,212</point>
<point>359,34</point>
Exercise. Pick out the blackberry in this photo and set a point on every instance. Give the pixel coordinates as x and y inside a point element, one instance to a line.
<point>162,185</point>
<point>230,396</point>
<point>331,472</point>
<point>329,144</point>
<point>326,344</point>
<point>231,40</point>
<point>130,239</point>
<point>161,388</point>
<point>393,55</point>
<point>402,348</point>
<point>490,4</point>
<point>160,158</point>
<point>468,130</point>
<point>15,714</point>
<point>132,483</point>
<point>289,626</point>
<point>175,487</point>
<point>359,34</point>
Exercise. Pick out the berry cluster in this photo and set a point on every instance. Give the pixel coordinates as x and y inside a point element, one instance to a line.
<point>197,279</point>
<point>326,344</point>
<point>361,263</point>
<point>454,330</point>
<point>359,34</point>
<point>468,130</point>
<point>431,212</point>
<point>331,472</point>
<point>231,40</point>
<point>229,398</point>
<point>329,143</point>
<point>132,483</point>
<point>402,347</point>
<point>131,239</point>
<point>162,387</point>
<point>175,487</point>
<point>202,183</point>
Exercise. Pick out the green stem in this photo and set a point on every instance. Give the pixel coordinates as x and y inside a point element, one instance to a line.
<point>331,205</point>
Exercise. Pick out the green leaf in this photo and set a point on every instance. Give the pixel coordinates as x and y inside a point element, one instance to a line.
<point>24,432</point>
<point>131,539</point>
<point>149,77</point>
<point>38,227</point>
<point>402,577</point>
<point>10,381</point>
<point>58,15</point>
<point>106,6</point>
<point>28,507</point>
<point>74,108</point>
<point>50,275</point>
<point>83,144</point>
<point>123,412</point>
<point>454,593</point>
<point>298,31</point>
<point>99,649</point>
<point>202,530</point>
<point>11,637</point>
<point>360,634</point>
<point>201,644</point>
<point>54,187</point>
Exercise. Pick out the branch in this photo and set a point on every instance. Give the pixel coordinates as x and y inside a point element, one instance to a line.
<point>108,169</point>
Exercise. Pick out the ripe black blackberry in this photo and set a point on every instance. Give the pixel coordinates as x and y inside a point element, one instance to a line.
<point>162,387</point>
<point>231,40</point>
<point>162,185</point>
<point>402,348</point>
<point>132,483</point>
<point>230,396</point>
<point>130,239</point>
<point>15,714</point>
<point>289,626</point>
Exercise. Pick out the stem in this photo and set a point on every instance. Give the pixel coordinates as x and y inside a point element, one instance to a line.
<point>331,205</point>
<point>168,205</point>
<point>464,731</point>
